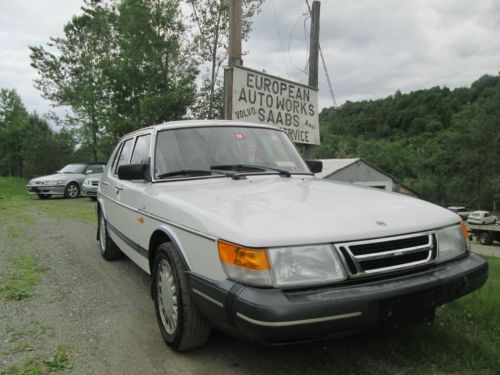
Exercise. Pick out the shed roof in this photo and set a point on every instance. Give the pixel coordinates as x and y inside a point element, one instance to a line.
<point>330,166</point>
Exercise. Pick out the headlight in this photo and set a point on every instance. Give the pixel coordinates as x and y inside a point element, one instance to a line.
<point>54,182</point>
<point>451,243</point>
<point>281,267</point>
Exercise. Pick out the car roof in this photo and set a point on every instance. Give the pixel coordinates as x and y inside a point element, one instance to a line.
<point>481,212</point>
<point>87,163</point>
<point>200,123</point>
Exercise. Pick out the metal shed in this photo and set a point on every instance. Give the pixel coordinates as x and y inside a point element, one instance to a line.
<point>360,172</point>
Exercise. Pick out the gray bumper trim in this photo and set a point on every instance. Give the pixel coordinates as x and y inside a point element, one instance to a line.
<point>299,322</point>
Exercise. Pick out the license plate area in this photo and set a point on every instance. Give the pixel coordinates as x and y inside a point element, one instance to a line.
<point>409,309</point>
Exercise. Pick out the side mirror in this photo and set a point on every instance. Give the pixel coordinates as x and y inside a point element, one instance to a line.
<point>315,166</point>
<point>88,171</point>
<point>134,172</point>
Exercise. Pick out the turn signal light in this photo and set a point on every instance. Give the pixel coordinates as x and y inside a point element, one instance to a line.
<point>244,257</point>
<point>465,231</point>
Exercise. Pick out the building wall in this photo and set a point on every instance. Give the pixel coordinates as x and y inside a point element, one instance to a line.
<point>361,173</point>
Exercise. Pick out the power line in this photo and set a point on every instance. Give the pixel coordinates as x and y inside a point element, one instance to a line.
<point>290,41</point>
<point>279,36</point>
<point>328,80</point>
<point>327,75</point>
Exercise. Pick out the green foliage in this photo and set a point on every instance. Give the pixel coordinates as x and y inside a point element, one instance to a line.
<point>120,66</point>
<point>443,143</point>
<point>39,366</point>
<point>29,146</point>
<point>60,360</point>
<point>211,39</point>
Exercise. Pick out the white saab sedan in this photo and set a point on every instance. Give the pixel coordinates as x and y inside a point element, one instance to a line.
<point>239,235</point>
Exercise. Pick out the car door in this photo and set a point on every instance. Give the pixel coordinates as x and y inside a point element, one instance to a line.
<point>129,200</point>
<point>119,215</point>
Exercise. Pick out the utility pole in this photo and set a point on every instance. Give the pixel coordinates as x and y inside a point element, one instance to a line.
<point>234,55</point>
<point>310,150</point>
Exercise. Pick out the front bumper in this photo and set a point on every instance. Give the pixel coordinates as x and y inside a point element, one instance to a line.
<point>46,189</point>
<point>277,316</point>
<point>89,191</point>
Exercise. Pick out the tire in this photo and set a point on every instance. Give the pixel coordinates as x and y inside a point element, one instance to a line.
<point>109,250</point>
<point>485,238</point>
<point>181,324</point>
<point>44,196</point>
<point>93,199</point>
<point>72,190</point>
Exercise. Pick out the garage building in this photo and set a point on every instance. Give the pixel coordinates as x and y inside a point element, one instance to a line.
<point>360,172</point>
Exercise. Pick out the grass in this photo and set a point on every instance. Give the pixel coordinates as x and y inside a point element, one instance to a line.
<point>16,204</point>
<point>22,275</point>
<point>12,187</point>
<point>37,365</point>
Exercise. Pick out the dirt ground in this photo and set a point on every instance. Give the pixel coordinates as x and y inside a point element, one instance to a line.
<point>103,314</point>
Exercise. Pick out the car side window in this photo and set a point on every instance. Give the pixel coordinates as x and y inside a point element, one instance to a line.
<point>124,157</point>
<point>141,149</point>
<point>115,157</point>
<point>95,168</point>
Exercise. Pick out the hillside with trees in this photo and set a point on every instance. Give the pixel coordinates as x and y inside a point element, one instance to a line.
<point>443,143</point>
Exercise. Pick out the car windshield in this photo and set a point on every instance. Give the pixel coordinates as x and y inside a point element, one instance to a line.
<point>74,168</point>
<point>242,149</point>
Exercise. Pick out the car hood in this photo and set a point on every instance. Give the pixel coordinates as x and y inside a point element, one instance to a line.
<point>277,211</point>
<point>57,176</point>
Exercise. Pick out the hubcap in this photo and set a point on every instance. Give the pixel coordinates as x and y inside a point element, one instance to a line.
<point>102,234</point>
<point>72,191</point>
<point>166,293</point>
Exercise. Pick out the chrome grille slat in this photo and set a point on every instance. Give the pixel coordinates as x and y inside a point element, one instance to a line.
<point>383,255</point>
<point>390,253</point>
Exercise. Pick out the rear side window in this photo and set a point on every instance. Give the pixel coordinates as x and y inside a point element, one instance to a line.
<point>95,168</point>
<point>141,150</point>
<point>124,157</point>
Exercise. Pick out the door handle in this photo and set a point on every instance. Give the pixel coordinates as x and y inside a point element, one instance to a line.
<point>105,183</point>
<point>119,188</point>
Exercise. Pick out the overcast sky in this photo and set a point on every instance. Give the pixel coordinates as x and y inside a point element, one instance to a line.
<point>372,48</point>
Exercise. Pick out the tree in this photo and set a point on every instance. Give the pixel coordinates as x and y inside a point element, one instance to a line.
<point>13,122</point>
<point>74,74</point>
<point>120,66</point>
<point>28,145</point>
<point>211,39</point>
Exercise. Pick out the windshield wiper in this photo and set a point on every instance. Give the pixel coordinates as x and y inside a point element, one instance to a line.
<point>256,168</point>
<point>199,172</point>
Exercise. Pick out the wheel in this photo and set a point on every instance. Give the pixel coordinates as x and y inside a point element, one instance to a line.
<point>44,196</point>
<point>72,190</point>
<point>93,199</point>
<point>109,250</point>
<point>485,238</point>
<point>181,324</point>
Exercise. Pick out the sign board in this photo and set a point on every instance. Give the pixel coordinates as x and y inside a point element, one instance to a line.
<point>262,98</point>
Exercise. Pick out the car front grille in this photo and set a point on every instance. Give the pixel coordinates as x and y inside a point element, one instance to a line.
<point>366,258</point>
